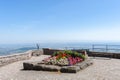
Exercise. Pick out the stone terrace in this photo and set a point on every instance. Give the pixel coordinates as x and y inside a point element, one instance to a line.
<point>102,69</point>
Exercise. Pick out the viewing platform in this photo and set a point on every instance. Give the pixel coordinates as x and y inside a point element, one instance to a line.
<point>105,67</point>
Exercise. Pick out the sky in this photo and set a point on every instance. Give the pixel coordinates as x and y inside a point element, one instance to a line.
<point>32,21</point>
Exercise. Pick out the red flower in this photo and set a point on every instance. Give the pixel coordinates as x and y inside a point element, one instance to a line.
<point>64,55</point>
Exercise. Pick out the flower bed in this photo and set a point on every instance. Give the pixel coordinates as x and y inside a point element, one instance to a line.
<point>62,61</point>
<point>65,58</point>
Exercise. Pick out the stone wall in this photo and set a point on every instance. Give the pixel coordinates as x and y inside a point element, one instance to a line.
<point>37,52</point>
<point>105,54</point>
<point>4,60</point>
<point>48,51</point>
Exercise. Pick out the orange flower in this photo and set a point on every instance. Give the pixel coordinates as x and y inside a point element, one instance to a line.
<point>63,55</point>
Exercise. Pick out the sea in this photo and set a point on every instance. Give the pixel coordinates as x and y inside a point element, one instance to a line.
<point>7,49</point>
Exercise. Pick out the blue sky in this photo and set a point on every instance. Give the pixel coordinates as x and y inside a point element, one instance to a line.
<point>29,21</point>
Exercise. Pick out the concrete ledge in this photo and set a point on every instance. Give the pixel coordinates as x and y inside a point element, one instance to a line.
<point>4,60</point>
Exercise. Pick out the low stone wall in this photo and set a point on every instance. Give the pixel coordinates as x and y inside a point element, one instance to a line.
<point>105,54</point>
<point>37,65</point>
<point>37,52</point>
<point>4,60</point>
<point>48,51</point>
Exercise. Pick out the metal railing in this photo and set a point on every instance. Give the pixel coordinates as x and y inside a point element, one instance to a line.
<point>106,48</point>
<point>99,48</point>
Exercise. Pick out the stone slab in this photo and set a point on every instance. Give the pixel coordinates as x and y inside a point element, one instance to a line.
<point>85,64</point>
<point>45,67</point>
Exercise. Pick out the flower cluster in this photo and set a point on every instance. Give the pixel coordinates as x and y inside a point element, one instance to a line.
<point>63,58</point>
<point>75,60</point>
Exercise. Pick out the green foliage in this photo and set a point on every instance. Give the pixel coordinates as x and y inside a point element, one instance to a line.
<point>81,55</point>
<point>55,53</point>
<point>68,53</point>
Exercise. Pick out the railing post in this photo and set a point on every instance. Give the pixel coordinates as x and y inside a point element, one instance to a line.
<point>93,47</point>
<point>37,46</point>
<point>106,48</point>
